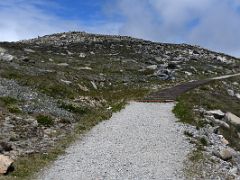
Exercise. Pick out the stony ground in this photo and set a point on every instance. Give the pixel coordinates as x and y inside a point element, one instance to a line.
<point>54,86</point>
<point>142,141</point>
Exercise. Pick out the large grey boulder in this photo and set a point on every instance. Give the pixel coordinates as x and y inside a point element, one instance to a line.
<point>6,57</point>
<point>232,118</point>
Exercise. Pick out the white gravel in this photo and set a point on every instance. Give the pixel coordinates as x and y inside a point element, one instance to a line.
<point>143,141</point>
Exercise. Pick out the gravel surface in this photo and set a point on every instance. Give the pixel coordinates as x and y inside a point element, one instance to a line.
<point>143,141</point>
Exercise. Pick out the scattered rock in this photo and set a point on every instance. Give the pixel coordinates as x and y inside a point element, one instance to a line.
<point>6,57</point>
<point>218,122</point>
<point>85,68</point>
<point>29,50</point>
<point>82,55</point>
<point>237,95</point>
<point>5,164</point>
<point>223,140</point>
<point>230,92</point>
<point>188,73</point>
<point>70,53</point>
<point>83,88</point>
<point>66,82</point>
<point>2,50</point>
<point>94,85</point>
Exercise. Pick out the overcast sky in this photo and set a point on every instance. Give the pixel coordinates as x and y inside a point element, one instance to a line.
<point>214,24</point>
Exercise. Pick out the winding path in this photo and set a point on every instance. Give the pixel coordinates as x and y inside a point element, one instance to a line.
<point>143,141</point>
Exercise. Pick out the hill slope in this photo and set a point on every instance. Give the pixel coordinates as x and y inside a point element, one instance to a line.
<point>61,84</point>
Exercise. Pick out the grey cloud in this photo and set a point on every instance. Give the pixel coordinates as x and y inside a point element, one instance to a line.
<point>170,21</point>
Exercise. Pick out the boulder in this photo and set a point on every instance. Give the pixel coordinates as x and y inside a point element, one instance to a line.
<point>218,122</point>
<point>230,92</point>
<point>225,154</point>
<point>223,140</point>
<point>5,164</point>
<point>82,55</point>
<point>232,118</point>
<point>6,57</point>
<point>218,114</point>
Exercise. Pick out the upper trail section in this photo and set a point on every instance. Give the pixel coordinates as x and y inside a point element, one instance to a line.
<point>171,94</point>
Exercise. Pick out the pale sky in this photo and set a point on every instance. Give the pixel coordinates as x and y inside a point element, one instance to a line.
<point>213,24</point>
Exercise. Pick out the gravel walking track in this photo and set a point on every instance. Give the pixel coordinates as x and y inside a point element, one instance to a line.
<point>143,141</point>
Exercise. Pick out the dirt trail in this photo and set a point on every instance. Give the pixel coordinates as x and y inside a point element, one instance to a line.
<point>171,94</point>
<point>143,141</point>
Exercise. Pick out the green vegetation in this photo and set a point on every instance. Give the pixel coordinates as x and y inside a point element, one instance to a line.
<point>203,141</point>
<point>8,100</point>
<point>45,120</point>
<point>211,96</point>
<point>11,104</point>
<point>183,111</point>
<point>14,109</point>
<point>116,99</point>
<point>24,170</point>
<point>74,108</point>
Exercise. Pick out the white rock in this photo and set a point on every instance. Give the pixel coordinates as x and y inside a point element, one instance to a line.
<point>83,88</point>
<point>224,154</point>
<point>223,59</point>
<point>237,95</point>
<point>232,118</point>
<point>84,68</point>
<point>2,50</point>
<point>6,57</point>
<point>223,140</point>
<point>5,163</point>
<point>233,171</point>
<point>216,113</point>
<point>63,64</point>
<point>70,53</point>
<point>188,73</point>
<point>153,67</point>
<point>66,82</point>
<point>94,85</point>
<point>82,55</point>
<point>230,92</point>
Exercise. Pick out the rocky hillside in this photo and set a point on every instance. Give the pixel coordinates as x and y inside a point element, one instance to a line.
<point>60,84</point>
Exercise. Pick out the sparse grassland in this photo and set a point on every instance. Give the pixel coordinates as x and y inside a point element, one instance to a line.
<point>26,166</point>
